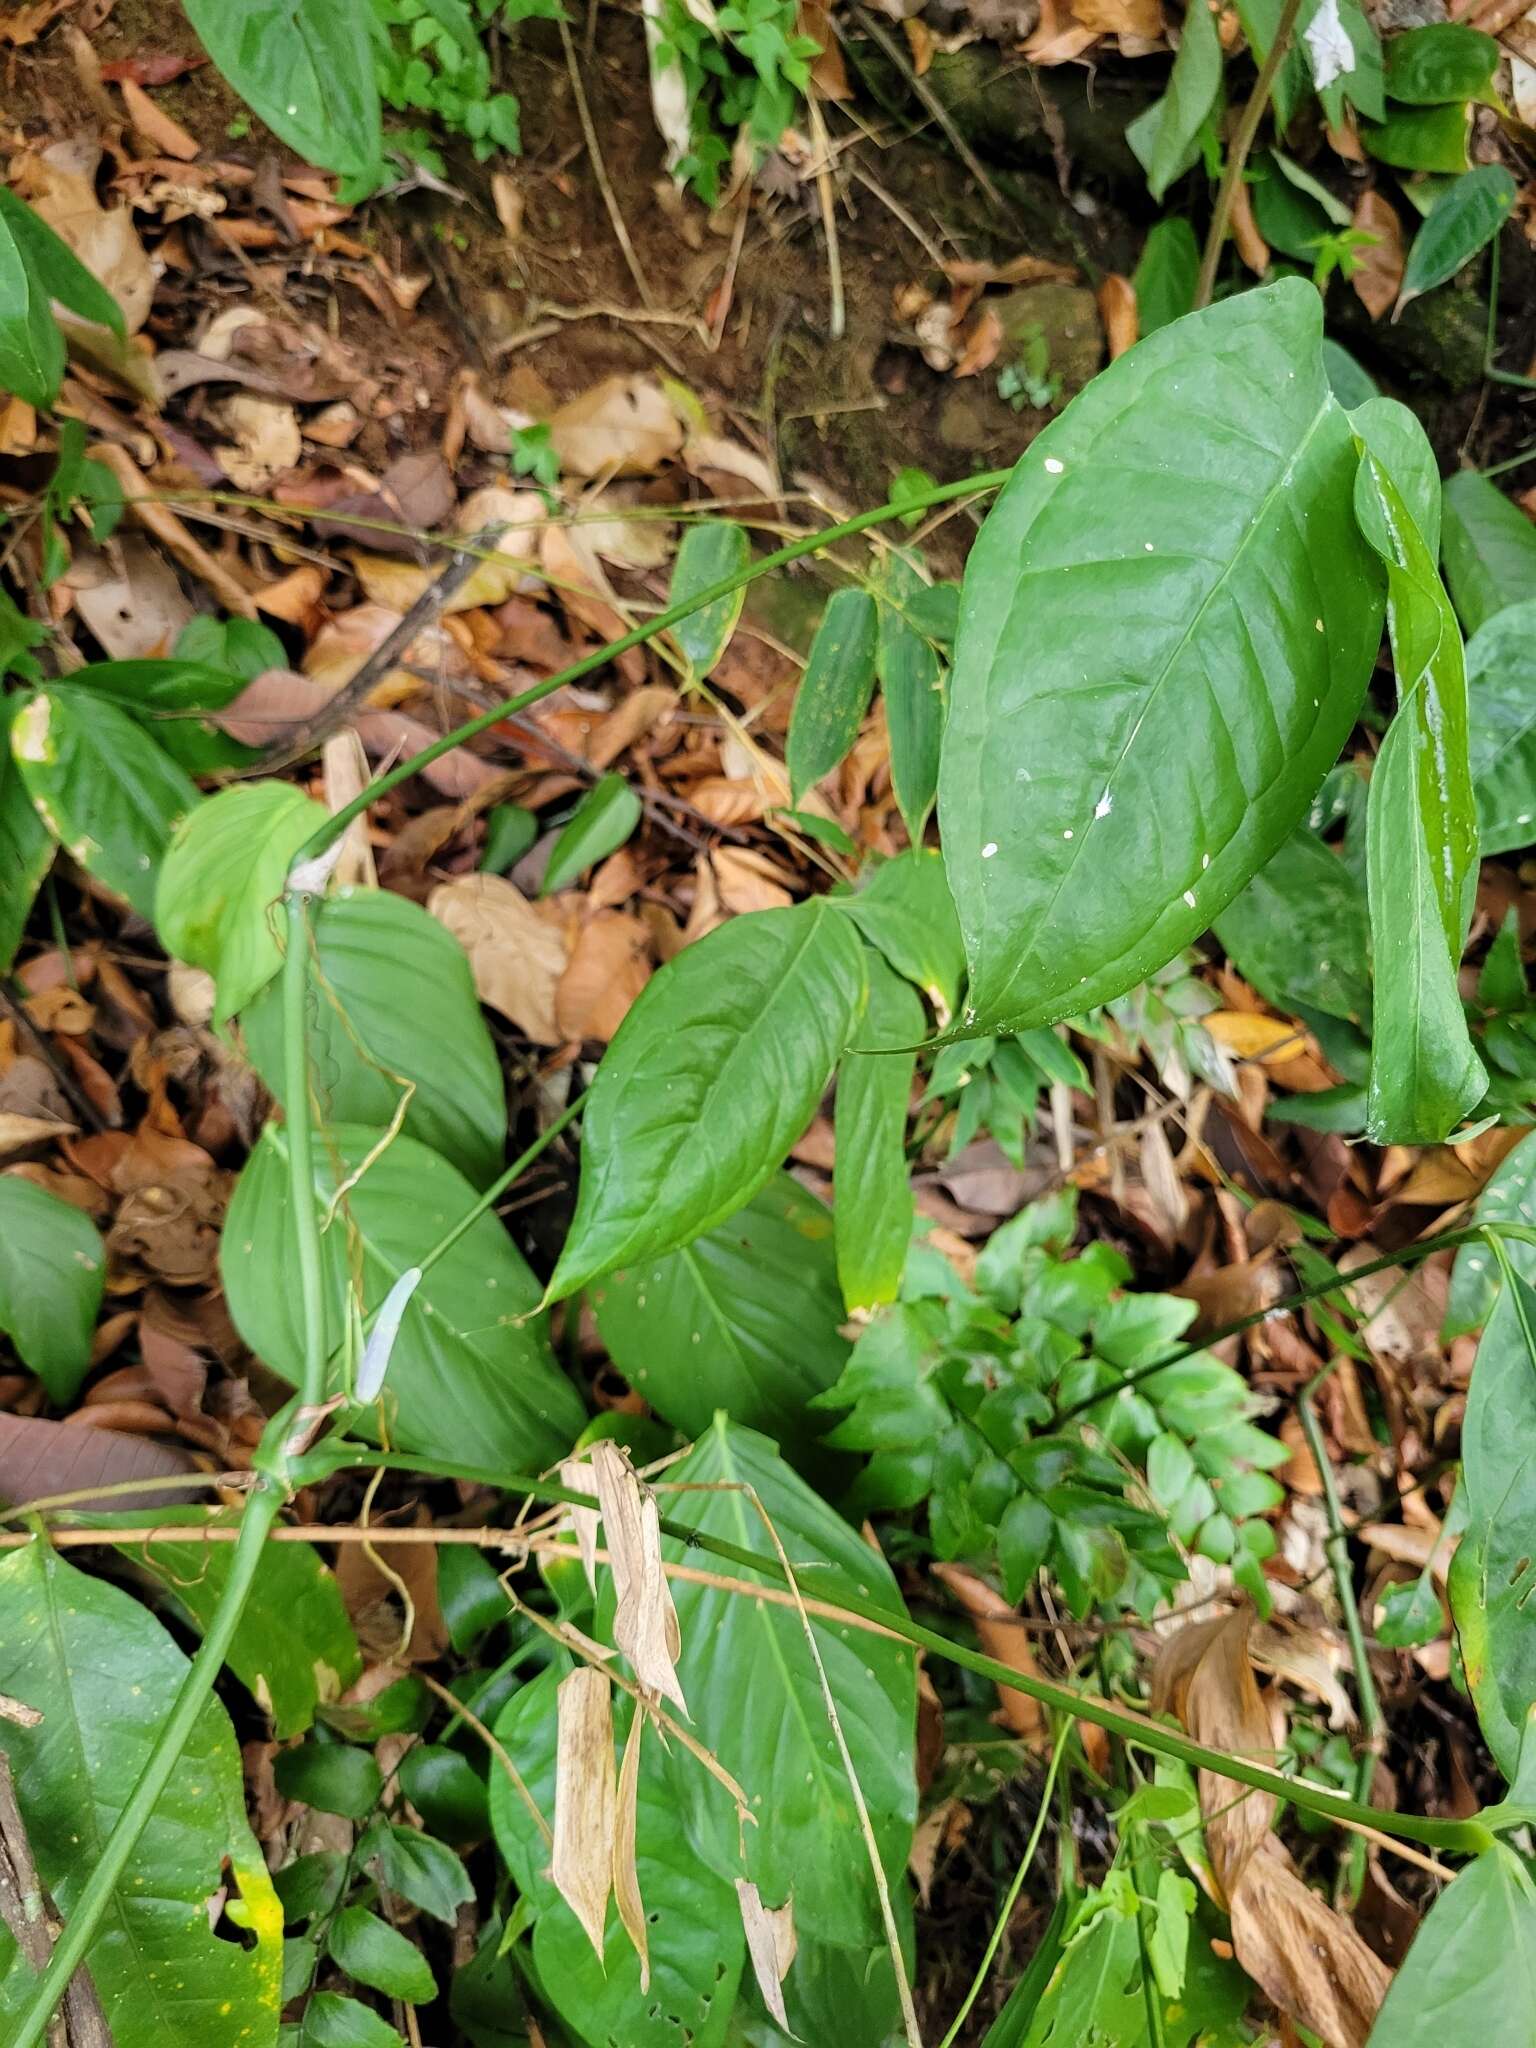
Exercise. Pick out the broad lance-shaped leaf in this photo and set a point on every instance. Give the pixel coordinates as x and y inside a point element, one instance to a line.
<point>835,690</point>
<point>471,1377</point>
<point>1509,1197</point>
<point>1493,1574</point>
<point>912,683</point>
<point>872,1195</point>
<point>26,845</point>
<point>1470,1975</point>
<point>1501,705</point>
<point>307,68</point>
<point>1489,546</point>
<point>1421,844</point>
<point>757,1702</point>
<point>103,1673</point>
<point>710,1079</point>
<point>53,1266</point>
<point>392,1007</point>
<point>1167,627</point>
<point>746,1318</point>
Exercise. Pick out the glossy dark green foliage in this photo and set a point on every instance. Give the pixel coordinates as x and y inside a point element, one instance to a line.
<point>368,1047</point>
<point>1470,1974</point>
<point>1420,139</point>
<point>600,824</point>
<point>333,1777</point>
<point>872,1200</point>
<point>1489,549</point>
<point>103,1673</point>
<point>746,1318</point>
<point>835,690</point>
<point>417,1866</point>
<point>471,1378</point>
<point>1508,1197</point>
<point>1089,832</point>
<point>53,1267</point>
<point>1167,136</point>
<point>912,680</point>
<point>1443,63</point>
<point>1501,710</point>
<point>995,1086</point>
<point>1462,221</point>
<point>332,2020</point>
<point>307,68</point>
<point>471,1596</point>
<point>378,1955</point>
<point>956,1397</point>
<point>906,911</point>
<point>742,1030</point>
<point>1166,275</point>
<point>1300,931</point>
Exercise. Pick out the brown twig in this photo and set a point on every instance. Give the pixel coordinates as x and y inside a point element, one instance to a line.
<point>79,2022</point>
<point>1237,152</point>
<point>600,170</point>
<point>933,104</point>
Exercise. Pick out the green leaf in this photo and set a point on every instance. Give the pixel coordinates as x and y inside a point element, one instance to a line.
<point>217,904</point>
<point>745,1318</point>
<point>509,832</point>
<point>1509,1197</point>
<point>1421,845</point>
<point>333,1777</point>
<point>472,1598</point>
<point>446,1790</point>
<point>712,1076</point>
<point>31,346</point>
<point>1493,1573</point>
<point>1501,706</point>
<point>418,1867</point>
<point>693,1929</point>
<point>311,1884</point>
<point>1489,548</point>
<point>1470,1974</point>
<point>1442,63</point>
<point>757,1703</point>
<point>1194,85</point>
<point>53,1267</point>
<point>599,825</point>
<point>471,1377</point>
<point>709,553</point>
<point>912,683</point>
<point>392,1007</point>
<point>154,691</point>
<point>306,67</point>
<point>373,1953</point>
<point>1463,220</point>
<point>1300,931</point>
<point>1399,443</point>
<point>57,269</point>
<point>1350,384</point>
<point>905,909</point>
<point>293,1648</point>
<point>835,690</point>
<point>103,788</point>
<point>1141,709</point>
<point>1420,139</point>
<point>104,1674</point>
<point>1165,277</point>
<point>331,2021</point>
<point>872,1196</point>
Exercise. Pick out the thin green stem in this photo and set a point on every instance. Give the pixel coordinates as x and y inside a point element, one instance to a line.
<point>726,586</point>
<point>301,1166</point>
<point>1237,152</point>
<point>508,1179</point>
<point>1468,1835</point>
<point>74,1940</point>
<point>1058,1748</point>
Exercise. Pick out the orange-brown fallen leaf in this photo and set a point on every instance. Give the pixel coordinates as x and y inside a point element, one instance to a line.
<point>516,952</point>
<point>1378,274</point>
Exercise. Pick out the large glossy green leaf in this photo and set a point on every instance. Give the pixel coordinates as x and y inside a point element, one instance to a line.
<point>1509,1197</point>
<point>53,1267</point>
<point>1441,64</point>
<point>1470,1975</point>
<point>1489,547</point>
<point>393,1006</point>
<point>102,786</point>
<point>1421,844</point>
<point>31,346</point>
<point>709,1080</point>
<point>1493,1574</point>
<point>906,910</point>
<point>693,1930</point>
<point>757,1703</point>
<point>835,690</point>
<point>103,1673</point>
<point>26,845</point>
<point>307,68</point>
<point>1501,706</point>
<point>471,1377</point>
<point>1168,624</point>
<point>217,905</point>
<point>745,1319</point>
<point>912,683</point>
<point>1300,933</point>
<point>872,1194</point>
<point>293,1649</point>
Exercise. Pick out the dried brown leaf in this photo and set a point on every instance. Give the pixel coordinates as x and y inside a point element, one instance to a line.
<point>645,1621</point>
<point>1119,312</point>
<point>771,1943</point>
<point>39,1458</point>
<point>517,954</point>
<point>160,135</point>
<point>1305,1957</point>
<point>1378,275</point>
<point>626,1876</point>
<point>1002,1637</point>
<point>624,426</point>
<point>608,967</point>
<point>585,1798</point>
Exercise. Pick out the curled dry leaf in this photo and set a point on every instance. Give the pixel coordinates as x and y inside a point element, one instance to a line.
<point>624,426</point>
<point>1002,1637</point>
<point>577,1475</point>
<point>516,952</point>
<point>608,967</point>
<point>1305,1957</point>
<point>626,1874</point>
<point>585,1798</point>
<point>644,1621</point>
<point>1378,273</point>
<point>771,1943</point>
<point>1119,313</point>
